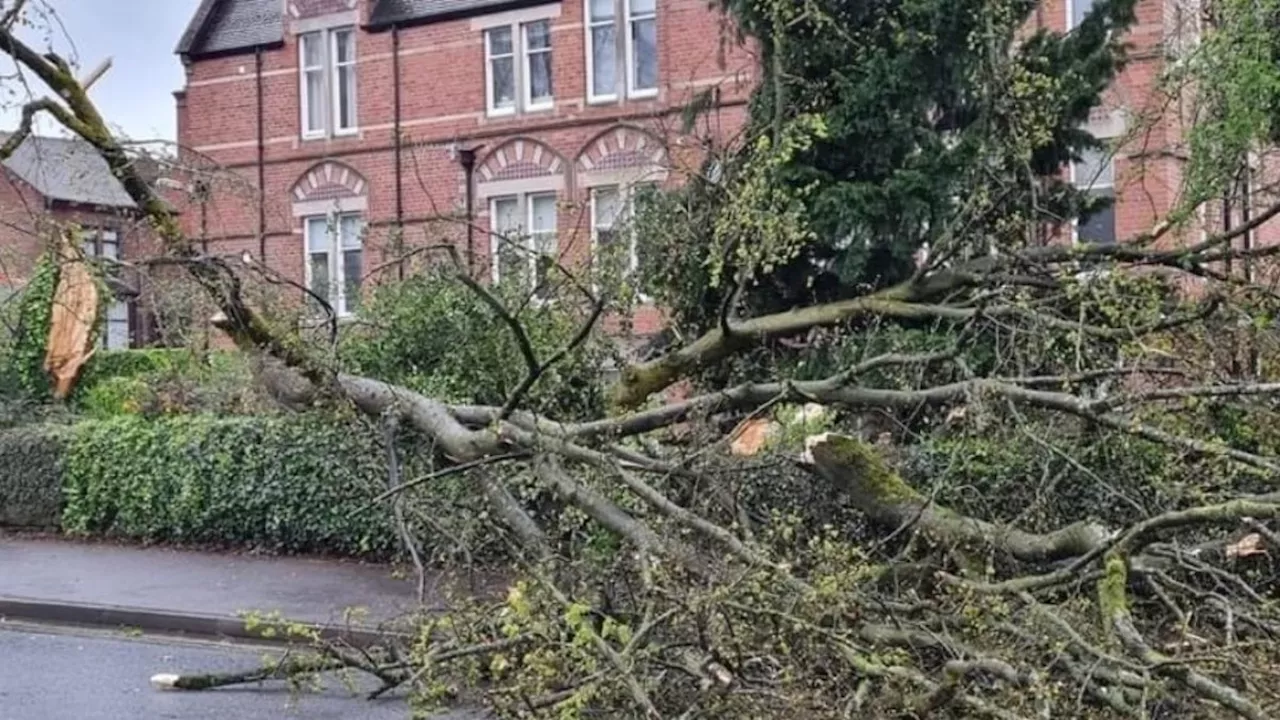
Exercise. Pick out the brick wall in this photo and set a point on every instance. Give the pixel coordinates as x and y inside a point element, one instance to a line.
<point>20,245</point>
<point>26,220</point>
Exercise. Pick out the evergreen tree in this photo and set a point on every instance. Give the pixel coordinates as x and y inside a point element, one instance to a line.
<point>880,127</point>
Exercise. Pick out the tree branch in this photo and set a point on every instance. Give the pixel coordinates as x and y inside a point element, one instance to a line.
<point>858,472</point>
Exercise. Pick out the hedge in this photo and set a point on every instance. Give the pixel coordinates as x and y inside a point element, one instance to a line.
<point>285,484</point>
<point>30,476</point>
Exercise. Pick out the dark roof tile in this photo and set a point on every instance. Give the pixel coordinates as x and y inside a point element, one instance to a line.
<point>221,26</point>
<point>68,170</point>
<point>228,25</point>
<point>390,12</point>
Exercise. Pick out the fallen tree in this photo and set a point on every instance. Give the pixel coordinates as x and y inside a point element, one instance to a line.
<point>676,580</point>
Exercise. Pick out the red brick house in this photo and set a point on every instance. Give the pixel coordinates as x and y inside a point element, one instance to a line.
<point>50,184</point>
<point>344,121</point>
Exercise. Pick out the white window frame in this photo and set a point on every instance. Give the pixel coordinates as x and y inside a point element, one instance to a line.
<point>335,68</point>
<point>1071,12</point>
<point>632,90</point>
<point>304,70</point>
<point>329,68</point>
<point>337,272</point>
<point>528,239</point>
<point>590,25</point>
<point>624,63</point>
<point>489,57</point>
<point>526,62</point>
<point>92,245</point>
<point>1094,186</point>
<point>626,212</point>
<point>522,100</point>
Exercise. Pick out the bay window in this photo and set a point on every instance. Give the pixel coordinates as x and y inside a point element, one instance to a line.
<point>335,259</point>
<point>523,240</point>
<point>327,66</point>
<point>631,66</point>
<point>526,85</point>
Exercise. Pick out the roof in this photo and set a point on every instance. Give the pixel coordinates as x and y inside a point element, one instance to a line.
<point>396,12</point>
<point>227,26</point>
<point>221,26</point>
<point>69,170</point>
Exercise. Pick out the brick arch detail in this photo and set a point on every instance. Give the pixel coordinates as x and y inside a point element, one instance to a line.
<point>329,180</point>
<point>519,159</point>
<point>620,147</point>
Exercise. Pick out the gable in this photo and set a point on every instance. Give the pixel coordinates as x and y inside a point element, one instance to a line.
<point>221,26</point>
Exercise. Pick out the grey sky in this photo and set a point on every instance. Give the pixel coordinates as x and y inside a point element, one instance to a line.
<point>139,35</point>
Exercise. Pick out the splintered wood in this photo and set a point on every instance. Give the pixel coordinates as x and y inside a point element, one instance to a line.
<point>75,308</point>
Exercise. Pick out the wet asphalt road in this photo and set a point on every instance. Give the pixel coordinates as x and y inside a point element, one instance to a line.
<point>88,676</point>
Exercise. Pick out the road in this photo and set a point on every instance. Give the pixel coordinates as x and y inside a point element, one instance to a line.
<point>52,675</point>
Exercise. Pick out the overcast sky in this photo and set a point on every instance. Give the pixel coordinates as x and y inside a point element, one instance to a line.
<point>139,35</point>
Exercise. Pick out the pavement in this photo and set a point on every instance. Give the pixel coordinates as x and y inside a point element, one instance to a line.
<point>199,593</point>
<point>84,626</point>
<point>56,676</point>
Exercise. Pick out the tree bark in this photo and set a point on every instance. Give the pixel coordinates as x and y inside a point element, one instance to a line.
<point>858,471</point>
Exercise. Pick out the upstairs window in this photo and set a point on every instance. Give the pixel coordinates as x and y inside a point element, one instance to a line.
<point>1076,10</point>
<point>1095,174</point>
<point>518,68</point>
<point>630,67</point>
<point>327,63</point>
<point>335,259</point>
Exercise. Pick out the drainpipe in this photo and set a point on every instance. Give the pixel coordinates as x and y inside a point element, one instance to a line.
<point>467,157</point>
<point>262,171</point>
<point>1230,269</point>
<point>202,194</point>
<point>1246,200</point>
<point>395,84</point>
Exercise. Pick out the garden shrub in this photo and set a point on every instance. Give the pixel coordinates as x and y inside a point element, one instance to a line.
<point>159,381</point>
<point>30,475</point>
<point>433,334</point>
<point>282,484</point>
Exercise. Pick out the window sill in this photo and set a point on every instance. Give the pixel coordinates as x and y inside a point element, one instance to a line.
<point>642,94</point>
<point>352,132</point>
<point>503,113</point>
<point>602,99</point>
<point>312,137</point>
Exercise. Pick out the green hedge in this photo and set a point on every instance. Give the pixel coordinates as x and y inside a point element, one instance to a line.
<point>30,476</point>
<point>285,484</point>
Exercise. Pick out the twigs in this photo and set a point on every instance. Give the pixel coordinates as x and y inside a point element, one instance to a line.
<point>394,486</point>
<point>438,474</point>
<point>287,667</point>
<point>1117,615</point>
<point>537,369</point>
